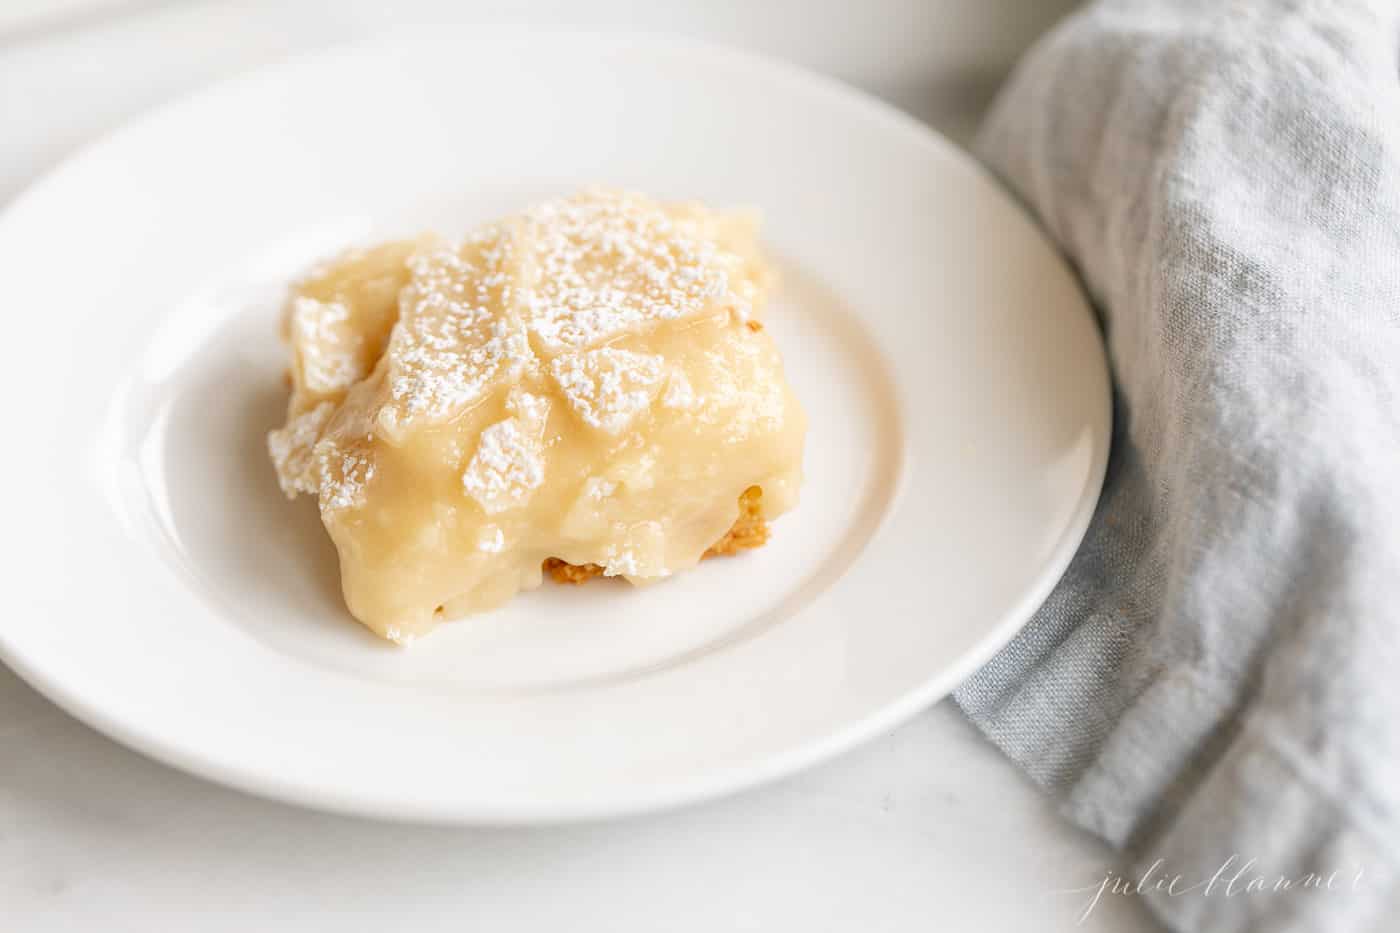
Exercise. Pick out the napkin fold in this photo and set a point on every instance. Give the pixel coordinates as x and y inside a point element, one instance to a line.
<point>1215,683</point>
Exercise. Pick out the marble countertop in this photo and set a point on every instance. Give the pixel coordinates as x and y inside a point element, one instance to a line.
<point>927,828</point>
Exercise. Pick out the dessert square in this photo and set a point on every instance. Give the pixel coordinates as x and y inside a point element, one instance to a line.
<point>585,387</point>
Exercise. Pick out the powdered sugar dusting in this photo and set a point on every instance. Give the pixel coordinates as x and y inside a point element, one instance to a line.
<point>608,388</point>
<point>679,392</point>
<point>620,562</point>
<point>607,263</point>
<point>639,552</point>
<point>344,474</point>
<point>596,489</point>
<point>455,338</point>
<point>508,465</point>
<point>327,346</point>
<point>291,448</point>
<point>399,636</point>
<point>531,409</point>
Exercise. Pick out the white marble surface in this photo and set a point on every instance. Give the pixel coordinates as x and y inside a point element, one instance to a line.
<point>927,828</point>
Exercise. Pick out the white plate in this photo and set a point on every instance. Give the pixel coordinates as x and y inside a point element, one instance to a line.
<point>169,596</point>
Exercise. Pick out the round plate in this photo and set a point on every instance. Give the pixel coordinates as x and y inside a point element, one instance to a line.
<point>951,369</point>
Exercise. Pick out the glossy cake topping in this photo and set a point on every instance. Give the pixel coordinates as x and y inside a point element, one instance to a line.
<point>586,381</point>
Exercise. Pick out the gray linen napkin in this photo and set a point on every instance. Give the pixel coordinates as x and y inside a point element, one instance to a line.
<point>1218,674</point>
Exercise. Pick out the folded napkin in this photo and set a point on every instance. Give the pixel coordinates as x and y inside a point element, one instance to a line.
<point>1218,673</point>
